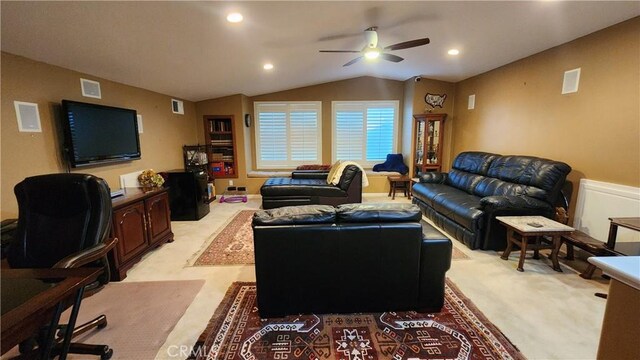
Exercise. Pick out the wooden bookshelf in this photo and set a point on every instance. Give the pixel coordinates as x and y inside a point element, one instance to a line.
<point>221,150</point>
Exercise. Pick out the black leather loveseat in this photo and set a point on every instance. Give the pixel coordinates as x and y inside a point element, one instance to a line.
<point>307,187</point>
<point>353,258</point>
<point>481,186</point>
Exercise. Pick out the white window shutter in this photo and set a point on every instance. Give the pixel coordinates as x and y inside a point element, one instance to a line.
<point>380,121</point>
<point>273,131</point>
<point>288,134</point>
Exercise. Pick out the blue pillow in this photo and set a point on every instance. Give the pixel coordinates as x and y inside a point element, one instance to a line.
<point>394,163</point>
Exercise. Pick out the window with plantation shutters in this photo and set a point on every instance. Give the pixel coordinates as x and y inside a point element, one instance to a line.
<point>288,134</point>
<point>364,131</point>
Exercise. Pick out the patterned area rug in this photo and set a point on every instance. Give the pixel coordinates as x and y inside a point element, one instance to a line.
<point>231,246</point>
<point>460,331</point>
<point>234,244</point>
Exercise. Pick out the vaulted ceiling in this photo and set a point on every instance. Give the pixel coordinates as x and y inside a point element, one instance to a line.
<point>189,50</point>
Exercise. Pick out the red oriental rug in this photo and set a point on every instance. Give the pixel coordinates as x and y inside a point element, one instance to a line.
<point>460,331</point>
<point>233,245</point>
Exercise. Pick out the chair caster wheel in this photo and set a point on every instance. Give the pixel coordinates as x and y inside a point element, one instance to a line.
<point>107,355</point>
<point>27,346</point>
<point>102,324</point>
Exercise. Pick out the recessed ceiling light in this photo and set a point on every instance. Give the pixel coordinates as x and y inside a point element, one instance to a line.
<point>234,17</point>
<point>453,52</point>
<point>267,66</point>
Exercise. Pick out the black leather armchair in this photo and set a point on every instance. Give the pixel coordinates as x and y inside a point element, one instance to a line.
<point>481,186</point>
<point>353,258</point>
<point>64,222</point>
<point>306,187</point>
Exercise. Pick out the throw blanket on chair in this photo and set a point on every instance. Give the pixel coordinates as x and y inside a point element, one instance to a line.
<point>338,168</point>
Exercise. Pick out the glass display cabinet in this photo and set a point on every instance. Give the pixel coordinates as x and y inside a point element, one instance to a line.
<point>428,130</point>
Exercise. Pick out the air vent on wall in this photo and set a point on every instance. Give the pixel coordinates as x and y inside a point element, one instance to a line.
<point>177,106</point>
<point>571,81</point>
<point>90,88</point>
<point>28,116</point>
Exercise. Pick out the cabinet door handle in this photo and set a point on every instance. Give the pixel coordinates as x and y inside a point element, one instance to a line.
<point>150,223</point>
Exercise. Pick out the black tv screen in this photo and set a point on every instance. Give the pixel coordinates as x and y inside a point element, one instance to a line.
<point>97,134</point>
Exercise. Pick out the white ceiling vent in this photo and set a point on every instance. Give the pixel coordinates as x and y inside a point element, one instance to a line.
<point>28,117</point>
<point>177,106</point>
<point>571,81</point>
<point>90,88</point>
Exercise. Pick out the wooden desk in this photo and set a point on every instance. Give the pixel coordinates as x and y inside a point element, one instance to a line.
<point>28,303</point>
<point>520,225</point>
<point>620,330</point>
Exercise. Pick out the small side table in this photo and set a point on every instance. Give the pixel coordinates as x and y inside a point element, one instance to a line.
<point>522,226</point>
<point>399,182</point>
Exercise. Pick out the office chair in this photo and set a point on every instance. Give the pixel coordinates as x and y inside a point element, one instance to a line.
<point>64,222</point>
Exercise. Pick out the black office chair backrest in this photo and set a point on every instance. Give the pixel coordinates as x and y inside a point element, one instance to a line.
<point>59,215</point>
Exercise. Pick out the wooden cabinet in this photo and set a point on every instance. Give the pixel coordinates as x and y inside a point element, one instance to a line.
<point>221,153</point>
<point>158,217</point>
<point>141,221</point>
<point>428,134</point>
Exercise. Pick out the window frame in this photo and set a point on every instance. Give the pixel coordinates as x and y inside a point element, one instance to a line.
<point>365,105</point>
<point>289,106</point>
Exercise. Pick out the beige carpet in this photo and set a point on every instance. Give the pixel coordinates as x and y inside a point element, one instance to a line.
<point>140,316</point>
<point>233,245</point>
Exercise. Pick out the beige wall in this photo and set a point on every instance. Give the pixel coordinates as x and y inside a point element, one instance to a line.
<point>26,154</point>
<point>420,89</point>
<point>520,108</point>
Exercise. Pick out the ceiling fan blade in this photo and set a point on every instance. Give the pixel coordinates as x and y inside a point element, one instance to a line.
<point>391,57</point>
<point>353,61</point>
<point>408,44</point>
<point>339,51</point>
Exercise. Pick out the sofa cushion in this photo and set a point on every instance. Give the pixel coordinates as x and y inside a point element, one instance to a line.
<point>349,174</point>
<point>546,175</point>
<point>299,187</point>
<point>458,205</point>
<point>475,162</point>
<point>463,180</point>
<point>383,212</point>
<point>492,186</point>
<point>296,215</point>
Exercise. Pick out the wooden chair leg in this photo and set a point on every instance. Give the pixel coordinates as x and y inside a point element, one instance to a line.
<point>588,274</point>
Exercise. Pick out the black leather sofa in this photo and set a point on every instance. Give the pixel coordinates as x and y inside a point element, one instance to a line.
<point>306,187</point>
<point>481,186</point>
<point>353,258</point>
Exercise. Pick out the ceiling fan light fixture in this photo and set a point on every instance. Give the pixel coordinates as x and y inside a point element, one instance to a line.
<point>453,52</point>
<point>372,54</point>
<point>234,17</point>
<point>267,66</point>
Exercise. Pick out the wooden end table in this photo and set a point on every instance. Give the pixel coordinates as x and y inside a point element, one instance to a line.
<point>402,182</point>
<point>521,228</point>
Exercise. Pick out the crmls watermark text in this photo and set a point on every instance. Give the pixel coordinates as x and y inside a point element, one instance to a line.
<point>184,351</point>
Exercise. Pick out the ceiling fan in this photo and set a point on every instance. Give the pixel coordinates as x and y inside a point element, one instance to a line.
<point>372,51</point>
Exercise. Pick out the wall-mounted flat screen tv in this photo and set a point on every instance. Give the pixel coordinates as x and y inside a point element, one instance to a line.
<point>97,134</point>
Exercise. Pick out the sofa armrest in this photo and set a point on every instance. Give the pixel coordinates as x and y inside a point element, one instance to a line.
<point>435,260</point>
<point>433,177</point>
<point>516,204</point>
<point>310,174</point>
